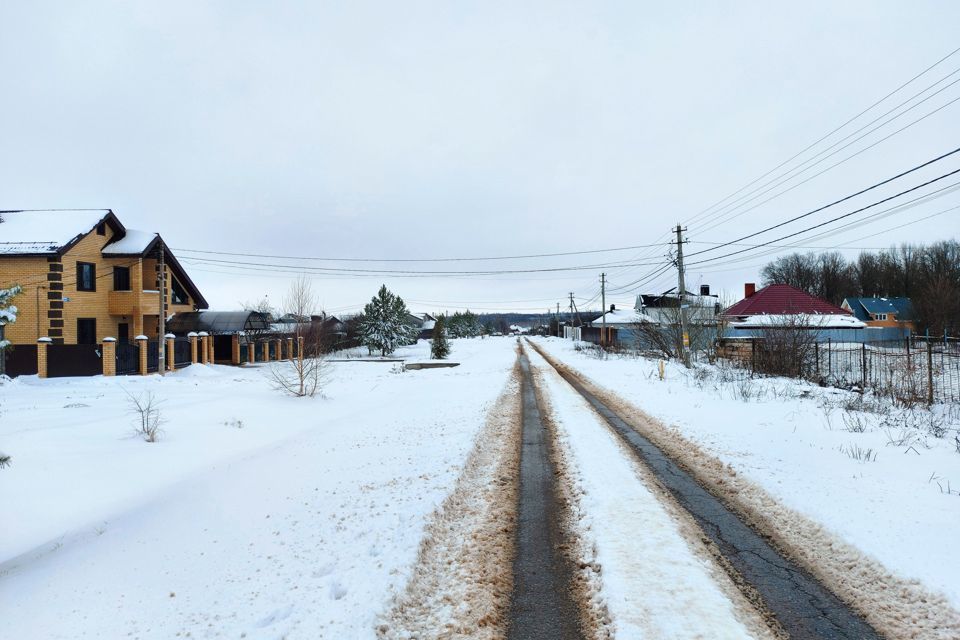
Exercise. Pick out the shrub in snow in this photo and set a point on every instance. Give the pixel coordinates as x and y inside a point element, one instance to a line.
<point>146,407</point>
<point>4,460</point>
<point>439,345</point>
<point>8,312</point>
<point>304,375</point>
<point>384,326</point>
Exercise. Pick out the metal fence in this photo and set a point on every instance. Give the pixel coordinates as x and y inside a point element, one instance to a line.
<point>911,370</point>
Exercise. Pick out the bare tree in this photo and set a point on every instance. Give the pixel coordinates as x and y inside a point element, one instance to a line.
<point>305,374</point>
<point>787,346</point>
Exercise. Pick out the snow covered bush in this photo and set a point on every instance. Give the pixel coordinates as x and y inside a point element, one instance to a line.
<point>384,326</point>
<point>8,312</point>
<point>4,460</point>
<point>146,407</point>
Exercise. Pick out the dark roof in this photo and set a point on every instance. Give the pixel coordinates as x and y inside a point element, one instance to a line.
<point>782,299</point>
<point>863,308</point>
<point>217,321</point>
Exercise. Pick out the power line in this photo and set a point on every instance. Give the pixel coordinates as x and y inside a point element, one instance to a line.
<point>844,199</point>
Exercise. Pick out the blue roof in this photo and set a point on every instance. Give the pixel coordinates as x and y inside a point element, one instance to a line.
<point>863,308</point>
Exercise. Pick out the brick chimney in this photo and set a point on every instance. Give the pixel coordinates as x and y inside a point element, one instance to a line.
<point>749,289</point>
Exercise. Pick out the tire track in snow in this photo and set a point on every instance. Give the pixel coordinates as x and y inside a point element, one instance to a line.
<point>802,606</point>
<point>544,603</point>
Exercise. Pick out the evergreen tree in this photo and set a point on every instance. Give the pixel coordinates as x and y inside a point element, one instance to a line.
<point>384,326</point>
<point>8,312</point>
<point>439,345</point>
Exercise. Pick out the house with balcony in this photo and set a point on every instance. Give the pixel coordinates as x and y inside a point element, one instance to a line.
<point>86,276</point>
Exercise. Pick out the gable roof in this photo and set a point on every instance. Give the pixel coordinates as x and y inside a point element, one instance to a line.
<point>622,316</point>
<point>49,231</point>
<point>863,308</point>
<point>782,299</point>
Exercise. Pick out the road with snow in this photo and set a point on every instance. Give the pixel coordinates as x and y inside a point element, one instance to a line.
<point>509,497</point>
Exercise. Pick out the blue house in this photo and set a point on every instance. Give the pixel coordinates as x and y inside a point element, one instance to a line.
<point>881,312</point>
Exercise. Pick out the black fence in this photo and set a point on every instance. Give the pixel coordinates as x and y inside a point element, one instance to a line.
<point>153,356</point>
<point>73,360</point>
<point>128,359</point>
<point>181,353</point>
<point>19,360</point>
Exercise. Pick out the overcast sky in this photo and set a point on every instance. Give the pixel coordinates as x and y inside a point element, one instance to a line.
<point>430,130</point>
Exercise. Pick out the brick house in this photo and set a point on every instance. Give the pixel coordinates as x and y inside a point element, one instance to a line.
<point>85,276</point>
<point>881,312</point>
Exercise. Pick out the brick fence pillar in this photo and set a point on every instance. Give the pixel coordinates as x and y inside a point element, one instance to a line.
<point>42,356</point>
<point>300,349</point>
<point>142,342</point>
<point>290,348</point>
<point>170,358</point>
<point>192,337</point>
<point>251,351</point>
<point>278,354</point>
<point>210,358</point>
<point>109,356</point>
<point>235,348</point>
<point>204,347</point>
<point>265,345</point>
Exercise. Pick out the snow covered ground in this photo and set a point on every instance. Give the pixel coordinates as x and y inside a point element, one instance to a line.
<point>797,442</point>
<point>256,515</point>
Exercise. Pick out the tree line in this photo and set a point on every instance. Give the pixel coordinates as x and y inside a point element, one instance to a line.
<point>927,274</point>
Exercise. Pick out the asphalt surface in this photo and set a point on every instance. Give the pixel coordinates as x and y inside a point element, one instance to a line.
<point>541,603</point>
<point>801,604</point>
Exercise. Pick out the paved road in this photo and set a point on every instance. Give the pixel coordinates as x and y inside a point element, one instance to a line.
<point>541,603</point>
<point>803,607</point>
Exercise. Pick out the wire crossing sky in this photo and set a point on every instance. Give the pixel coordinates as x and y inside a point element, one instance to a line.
<point>490,155</point>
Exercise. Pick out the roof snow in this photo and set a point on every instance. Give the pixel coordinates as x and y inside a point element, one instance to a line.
<point>622,316</point>
<point>134,242</point>
<point>806,320</point>
<point>45,231</point>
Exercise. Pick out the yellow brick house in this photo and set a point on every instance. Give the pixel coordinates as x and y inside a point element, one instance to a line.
<point>85,277</point>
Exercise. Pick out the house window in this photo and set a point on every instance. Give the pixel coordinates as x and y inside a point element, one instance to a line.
<point>86,276</point>
<point>121,278</point>
<point>86,331</point>
<point>178,293</point>
<point>881,316</point>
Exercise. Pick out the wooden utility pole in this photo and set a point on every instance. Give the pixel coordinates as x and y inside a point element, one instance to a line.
<point>162,329</point>
<point>682,293</point>
<point>603,308</point>
<point>571,315</point>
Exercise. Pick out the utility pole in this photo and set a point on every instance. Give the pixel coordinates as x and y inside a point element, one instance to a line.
<point>603,308</point>
<point>162,329</point>
<point>558,319</point>
<point>682,291</point>
<point>571,315</point>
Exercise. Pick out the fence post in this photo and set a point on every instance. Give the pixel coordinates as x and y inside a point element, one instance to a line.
<point>210,350</point>
<point>753,356</point>
<point>279,351</point>
<point>251,351</point>
<point>290,347</point>
<point>235,349</point>
<point>204,347</point>
<point>142,348</point>
<point>816,356</point>
<point>42,356</point>
<point>863,365</point>
<point>109,356</point>
<point>192,337</point>
<point>265,345</point>
<point>171,358</point>
<point>929,373</point>
<point>829,358</point>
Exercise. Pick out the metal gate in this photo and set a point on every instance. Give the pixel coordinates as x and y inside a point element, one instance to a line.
<point>128,359</point>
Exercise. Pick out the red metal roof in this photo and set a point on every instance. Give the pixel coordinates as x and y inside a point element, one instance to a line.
<point>782,299</point>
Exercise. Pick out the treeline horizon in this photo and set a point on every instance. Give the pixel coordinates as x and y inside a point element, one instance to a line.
<point>927,274</point>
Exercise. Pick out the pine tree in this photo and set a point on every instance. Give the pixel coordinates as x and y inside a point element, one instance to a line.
<point>439,345</point>
<point>8,312</point>
<point>384,326</point>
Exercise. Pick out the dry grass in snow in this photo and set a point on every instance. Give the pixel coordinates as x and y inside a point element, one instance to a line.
<point>896,607</point>
<point>461,584</point>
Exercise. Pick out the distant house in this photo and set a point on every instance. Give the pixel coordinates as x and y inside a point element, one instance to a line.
<point>85,276</point>
<point>881,312</point>
<point>421,325</point>
<point>663,308</point>
<point>779,305</point>
<point>621,327</point>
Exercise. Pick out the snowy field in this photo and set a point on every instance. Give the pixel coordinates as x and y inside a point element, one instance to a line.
<point>256,515</point>
<point>800,444</point>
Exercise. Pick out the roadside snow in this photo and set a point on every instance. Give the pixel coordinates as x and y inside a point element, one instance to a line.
<point>654,582</point>
<point>255,514</point>
<point>777,434</point>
